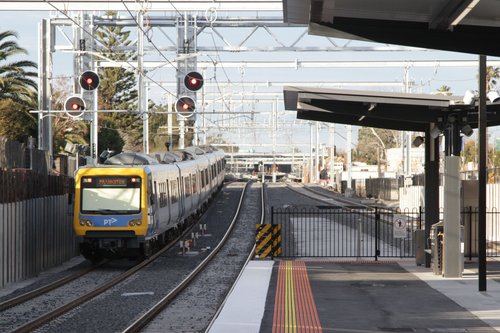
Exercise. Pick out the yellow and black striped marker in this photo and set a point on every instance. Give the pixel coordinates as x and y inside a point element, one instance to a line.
<point>268,240</point>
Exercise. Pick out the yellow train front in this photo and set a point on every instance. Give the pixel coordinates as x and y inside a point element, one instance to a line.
<point>111,211</point>
<point>127,207</point>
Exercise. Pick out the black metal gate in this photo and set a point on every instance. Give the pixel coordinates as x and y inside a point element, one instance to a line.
<point>334,231</point>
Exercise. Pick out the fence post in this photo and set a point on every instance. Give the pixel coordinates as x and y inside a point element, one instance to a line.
<point>470,233</point>
<point>359,239</point>
<point>377,222</point>
<point>420,217</point>
<point>272,232</point>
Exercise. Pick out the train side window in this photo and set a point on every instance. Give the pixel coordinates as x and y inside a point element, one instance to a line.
<point>152,191</point>
<point>173,190</point>
<point>167,186</point>
<point>194,183</point>
<point>187,186</point>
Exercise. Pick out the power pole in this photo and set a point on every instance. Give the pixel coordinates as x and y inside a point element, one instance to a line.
<point>45,88</point>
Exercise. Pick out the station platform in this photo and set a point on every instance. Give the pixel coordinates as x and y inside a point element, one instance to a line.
<point>346,295</point>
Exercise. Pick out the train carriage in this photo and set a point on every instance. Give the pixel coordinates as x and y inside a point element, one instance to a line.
<point>126,207</point>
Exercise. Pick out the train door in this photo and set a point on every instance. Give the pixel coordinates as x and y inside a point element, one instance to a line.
<point>182,198</point>
<point>169,203</point>
<point>156,214</point>
<point>175,204</point>
<point>152,207</point>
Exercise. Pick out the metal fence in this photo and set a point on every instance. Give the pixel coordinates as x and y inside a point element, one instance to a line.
<point>330,231</point>
<point>470,218</point>
<point>35,223</point>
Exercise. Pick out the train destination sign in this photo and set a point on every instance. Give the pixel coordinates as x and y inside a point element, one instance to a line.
<point>111,181</point>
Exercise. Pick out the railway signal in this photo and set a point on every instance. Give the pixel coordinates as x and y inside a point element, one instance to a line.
<point>193,81</point>
<point>185,106</point>
<point>89,80</point>
<point>74,106</point>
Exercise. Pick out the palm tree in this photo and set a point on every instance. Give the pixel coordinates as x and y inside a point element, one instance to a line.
<point>18,91</point>
<point>444,90</point>
<point>16,78</point>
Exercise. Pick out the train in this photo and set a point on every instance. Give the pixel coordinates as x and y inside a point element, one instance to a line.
<point>126,206</point>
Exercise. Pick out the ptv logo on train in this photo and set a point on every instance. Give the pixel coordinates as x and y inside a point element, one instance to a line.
<point>110,221</point>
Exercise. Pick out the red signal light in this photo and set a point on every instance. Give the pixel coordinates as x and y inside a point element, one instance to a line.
<point>74,106</point>
<point>185,106</point>
<point>89,80</point>
<point>193,81</point>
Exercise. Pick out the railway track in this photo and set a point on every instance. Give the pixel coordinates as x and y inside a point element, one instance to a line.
<point>12,315</point>
<point>59,311</point>
<point>250,257</point>
<point>327,198</point>
<point>148,318</point>
<point>32,294</point>
<point>371,226</point>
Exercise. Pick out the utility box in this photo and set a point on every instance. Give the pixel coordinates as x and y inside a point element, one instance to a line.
<point>419,238</point>
<point>436,239</point>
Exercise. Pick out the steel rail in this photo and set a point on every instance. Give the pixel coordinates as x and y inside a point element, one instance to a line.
<point>250,257</point>
<point>49,316</point>
<point>342,203</point>
<point>44,289</point>
<point>142,321</point>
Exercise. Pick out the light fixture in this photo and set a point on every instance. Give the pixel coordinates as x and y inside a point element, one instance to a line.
<point>467,130</point>
<point>493,96</point>
<point>372,106</point>
<point>417,142</point>
<point>435,132</point>
<point>469,97</point>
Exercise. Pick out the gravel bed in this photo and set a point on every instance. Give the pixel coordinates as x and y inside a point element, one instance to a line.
<point>117,308</point>
<point>193,309</point>
<point>73,265</point>
<point>30,310</point>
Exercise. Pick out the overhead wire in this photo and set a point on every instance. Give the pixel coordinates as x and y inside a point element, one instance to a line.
<point>149,39</point>
<point>147,36</point>
<point>135,69</point>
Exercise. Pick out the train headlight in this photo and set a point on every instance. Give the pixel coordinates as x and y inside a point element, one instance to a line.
<point>134,222</point>
<point>86,222</point>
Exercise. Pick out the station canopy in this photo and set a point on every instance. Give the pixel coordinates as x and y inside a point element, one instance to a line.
<point>398,111</point>
<point>454,25</point>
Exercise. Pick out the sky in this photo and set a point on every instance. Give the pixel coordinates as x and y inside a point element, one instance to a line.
<point>423,79</point>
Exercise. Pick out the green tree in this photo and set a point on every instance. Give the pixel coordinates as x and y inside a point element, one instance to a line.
<point>18,91</point>
<point>16,123</point>
<point>65,128</point>
<point>373,142</point>
<point>117,91</point>
<point>158,136</point>
<point>444,90</point>
<point>470,151</point>
<point>492,73</point>
<point>16,77</point>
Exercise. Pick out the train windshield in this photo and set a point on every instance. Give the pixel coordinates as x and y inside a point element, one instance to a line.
<point>111,195</point>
